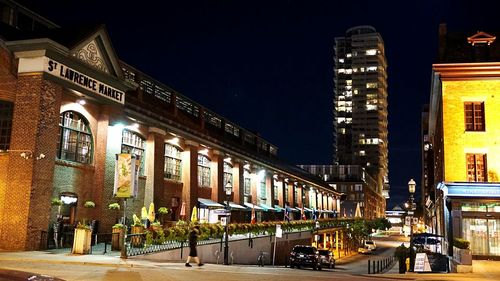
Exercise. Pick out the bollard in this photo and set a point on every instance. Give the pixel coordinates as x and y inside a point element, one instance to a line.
<point>368,266</point>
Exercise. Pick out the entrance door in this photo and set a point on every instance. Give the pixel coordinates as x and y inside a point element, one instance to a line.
<point>494,236</point>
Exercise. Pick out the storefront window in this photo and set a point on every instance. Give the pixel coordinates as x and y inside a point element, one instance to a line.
<point>75,138</point>
<point>473,207</point>
<point>203,171</point>
<point>172,163</point>
<point>134,144</point>
<point>476,231</point>
<point>494,236</point>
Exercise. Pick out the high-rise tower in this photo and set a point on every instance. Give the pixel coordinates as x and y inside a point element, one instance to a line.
<point>360,113</point>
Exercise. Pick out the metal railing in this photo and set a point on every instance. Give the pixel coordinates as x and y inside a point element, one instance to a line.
<point>380,265</point>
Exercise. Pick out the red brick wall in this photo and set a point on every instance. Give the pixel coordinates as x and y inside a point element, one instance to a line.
<point>30,181</point>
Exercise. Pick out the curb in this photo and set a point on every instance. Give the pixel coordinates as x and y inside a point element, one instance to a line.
<point>89,263</point>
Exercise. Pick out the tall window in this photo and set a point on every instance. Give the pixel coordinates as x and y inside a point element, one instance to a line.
<point>476,168</point>
<point>295,195</point>
<point>276,190</point>
<point>287,197</point>
<point>262,189</point>
<point>474,116</point>
<point>228,174</point>
<point>173,163</point>
<point>134,144</point>
<point>6,109</point>
<point>75,138</point>
<point>247,181</point>
<point>203,171</point>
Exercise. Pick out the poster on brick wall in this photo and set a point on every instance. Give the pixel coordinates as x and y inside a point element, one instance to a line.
<point>125,185</point>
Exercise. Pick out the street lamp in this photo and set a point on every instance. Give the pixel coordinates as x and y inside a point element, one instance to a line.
<point>411,190</point>
<point>229,189</point>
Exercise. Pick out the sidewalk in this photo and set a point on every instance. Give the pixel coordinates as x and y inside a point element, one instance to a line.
<point>111,258</point>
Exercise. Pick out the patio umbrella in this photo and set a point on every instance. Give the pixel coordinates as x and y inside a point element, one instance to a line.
<point>151,213</point>
<point>253,219</point>
<point>194,214</point>
<point>358,211</point>
<point>183,210</point>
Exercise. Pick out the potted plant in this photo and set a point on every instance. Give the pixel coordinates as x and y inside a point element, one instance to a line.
<point>461,252</point>
<point>116,208</point>
<point>117,237</point>
<point>137,228</point>
<point>162,211</point>
<point>82,240</point>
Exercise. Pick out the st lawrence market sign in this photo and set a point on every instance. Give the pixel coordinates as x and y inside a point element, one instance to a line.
<point>66,73</point>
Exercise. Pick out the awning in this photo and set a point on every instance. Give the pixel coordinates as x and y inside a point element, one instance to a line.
<point>294,209</point>
<point>252,206</point>
<point>267,208</point>
<point>307,209</point>
<point>278,208</point>
<point>207,203</point>
<point>235,206</point>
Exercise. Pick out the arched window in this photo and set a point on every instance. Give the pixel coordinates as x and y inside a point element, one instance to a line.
<point>203,170</point>
<point>6,109</point>
<point>172,163</point>
<point>133,143</point>
<point>75,138</point>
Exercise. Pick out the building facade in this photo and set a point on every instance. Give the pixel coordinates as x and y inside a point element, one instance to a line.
<point>77,124</point>
<point>360,100</point>
<point>360,195</point>
<point>428,193</point>
<point>464,125</point>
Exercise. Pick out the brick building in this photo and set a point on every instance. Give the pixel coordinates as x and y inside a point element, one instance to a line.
<point>69,106</point>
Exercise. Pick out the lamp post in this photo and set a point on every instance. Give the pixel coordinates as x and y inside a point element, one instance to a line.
<point>229,190</point>
<point>411,190</point>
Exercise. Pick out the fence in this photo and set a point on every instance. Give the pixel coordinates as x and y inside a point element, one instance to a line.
<point>378,266</point>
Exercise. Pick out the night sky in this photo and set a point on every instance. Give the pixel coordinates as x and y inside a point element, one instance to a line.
<point>268,65</point>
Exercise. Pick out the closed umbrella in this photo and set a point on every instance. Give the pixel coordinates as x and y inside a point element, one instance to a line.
<point>183,210</point>
<point>194,214</point>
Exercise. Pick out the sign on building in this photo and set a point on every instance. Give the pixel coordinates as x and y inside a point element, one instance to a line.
<point>125,185</point>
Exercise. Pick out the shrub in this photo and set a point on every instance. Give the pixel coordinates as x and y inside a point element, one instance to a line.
<point>56,202</point>
<point>89,204</point>
<point>114,206</point>
<point>118,225</point>
<point>461,243</point>
<point>163,210</point>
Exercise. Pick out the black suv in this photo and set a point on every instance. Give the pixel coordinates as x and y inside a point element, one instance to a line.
<point>303,255</point>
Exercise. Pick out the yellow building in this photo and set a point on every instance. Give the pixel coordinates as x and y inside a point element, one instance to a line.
<point>464,129</point>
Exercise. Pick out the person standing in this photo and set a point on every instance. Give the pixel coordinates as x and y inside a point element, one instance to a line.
<point>193,241</point>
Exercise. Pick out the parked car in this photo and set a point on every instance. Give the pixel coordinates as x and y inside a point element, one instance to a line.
<point>364,250</point>
<point>327,258</point>
<point>16,275</point>
<point>371,245</point>
<point>303,255</point>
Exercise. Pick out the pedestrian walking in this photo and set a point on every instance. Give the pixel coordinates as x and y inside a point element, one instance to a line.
<point>193,241</point>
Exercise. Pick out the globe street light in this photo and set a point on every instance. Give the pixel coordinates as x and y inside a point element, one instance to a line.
<point>229,189</point>
<point>411,208</point>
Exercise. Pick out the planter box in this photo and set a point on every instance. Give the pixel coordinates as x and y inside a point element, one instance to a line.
<point>117,239</point>
<point>137,240</point>
<point>81,242</point>
<point>462,256</point>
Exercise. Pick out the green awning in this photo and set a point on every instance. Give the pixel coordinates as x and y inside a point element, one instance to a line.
<point>267,208</point>
<point>207,203</point>
<point>278,208</point>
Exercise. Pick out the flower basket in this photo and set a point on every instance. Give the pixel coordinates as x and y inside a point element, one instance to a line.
<point>137,240</point>
<point>82,241</point>
<point>117,237</point>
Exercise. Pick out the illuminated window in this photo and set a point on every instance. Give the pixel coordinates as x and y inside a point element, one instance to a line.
<point>372,85</point>
<point>348,55</point>
<point>348,82</point>
<point>172,168</point>
<point>371,107</point>
<point>348,71</point>
<point>348,93</point>
<point>341,60</point>
<point>228,173</point>
<point>474,116</point>
<point>287,197</point>
<point>371,68</point>
<point>362,69</point>
<point>134,144</point>
<point>276,191</point>
<point>6,109</point>
<point>348,120</point>
<point>341,70</point>
<point>371,52</point>
<point>203,171</point>
<point>476,167</point>
<point>247,181</point>
<point>362,153</point>
<point>295,195</point>
<point>75,138</point>
<point>340,120</point>
<point>355,91</point>
<point>262,189</point>
<point>342,131</point>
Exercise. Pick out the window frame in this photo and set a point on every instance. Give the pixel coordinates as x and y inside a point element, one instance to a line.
<point>134,148</point>
<point>172,163</point>
<point>473,168</point>
<point>476,116</point>
<point>204,173</point>
<point>6,117</point>
<point>86,131</point>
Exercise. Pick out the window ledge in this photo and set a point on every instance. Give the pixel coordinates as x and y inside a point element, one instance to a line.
<point>72,164</point>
